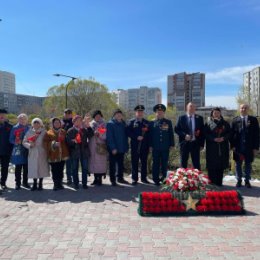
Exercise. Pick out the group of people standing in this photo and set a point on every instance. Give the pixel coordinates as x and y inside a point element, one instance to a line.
<point>91,142</point>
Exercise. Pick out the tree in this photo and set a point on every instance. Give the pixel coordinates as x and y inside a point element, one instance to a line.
<point>245,97</point>
<point>84,96</point>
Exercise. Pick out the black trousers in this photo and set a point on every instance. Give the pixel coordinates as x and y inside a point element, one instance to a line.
<point>135,157</point>
<point>216,176</point>
<point>57,172</point>
<point>193,149</point>
<point>5,159</point>
<point>18,173</point>
<point>116,161</point>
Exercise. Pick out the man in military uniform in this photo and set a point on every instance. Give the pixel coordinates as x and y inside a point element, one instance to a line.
<point>5,147</point>
<point>161,139</point>
<point>244,142</point>
<point>137,131</point>
<point>189,128</point>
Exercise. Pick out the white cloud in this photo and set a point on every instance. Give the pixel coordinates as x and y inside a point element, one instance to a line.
<point>231,75</point>
<point>223,101</point>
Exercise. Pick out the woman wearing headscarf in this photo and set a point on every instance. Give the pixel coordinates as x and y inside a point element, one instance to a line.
<point>97,146</point>
<point>19,155</point>
<point>217,134</point>
<point>38,167</point>
<point>57,151</point>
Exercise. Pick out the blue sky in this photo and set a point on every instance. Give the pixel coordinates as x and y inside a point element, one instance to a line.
<point>128,43</point>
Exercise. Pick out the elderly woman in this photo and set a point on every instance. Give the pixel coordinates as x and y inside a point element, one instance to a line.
<point>57,151</point>
<point>38,167</point>
<point>217,133</point>
<point>19,155</point>
<point>97,145</point>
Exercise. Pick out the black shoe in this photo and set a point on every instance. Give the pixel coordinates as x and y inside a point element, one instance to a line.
<point>95,182</point>
<point>248,184</point>
<point>134,183</point>
<point>55,187</point>
<point>4,187</point>
<point>17,187</point>
<point>69,182</point>
<point>239,184</point>
<point>157,183</point>
<point>61,187</point>
<point>34,187</point>
<point>84,186</point>
<point>76,186</point>
<point>114,183</point>
<point>40,187</point>
<point>123,181</point>
<point>145,181</point>
<point>26,185</point>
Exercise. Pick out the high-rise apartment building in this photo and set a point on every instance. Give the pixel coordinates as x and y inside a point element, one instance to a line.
<point>7,82</point>
<point>251,84</point>
<point>128,99</point>
<point>183,88</point>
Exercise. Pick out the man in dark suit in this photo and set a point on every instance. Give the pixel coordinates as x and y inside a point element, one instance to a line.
<point>189,128</point>
<point>244,142</point>
<point>5,147</point>
<point>161,139</point>
<point>137,131</point>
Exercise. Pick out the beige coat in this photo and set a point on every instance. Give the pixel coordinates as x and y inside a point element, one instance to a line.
<point>38,166</point>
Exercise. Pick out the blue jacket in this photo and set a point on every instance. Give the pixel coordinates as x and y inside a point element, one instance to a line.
<point>116,136</point>
<point>5,145</point>
<point>19,153</point>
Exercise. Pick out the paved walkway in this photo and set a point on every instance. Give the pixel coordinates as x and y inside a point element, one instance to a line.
<point>102,223</point>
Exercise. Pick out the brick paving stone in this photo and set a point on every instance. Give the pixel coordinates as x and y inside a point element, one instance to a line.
<point>102,223</point>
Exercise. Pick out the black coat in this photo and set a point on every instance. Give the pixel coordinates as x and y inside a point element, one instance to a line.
<point>182,129</point>
<point>5,145</point>
<point>217,154</point>
<point>251,137</point>
<point>77,150</point>
<point>134,129</point>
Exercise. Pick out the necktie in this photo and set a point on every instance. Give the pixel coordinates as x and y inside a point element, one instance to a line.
<point>243,123</point>
<point>190,125</point>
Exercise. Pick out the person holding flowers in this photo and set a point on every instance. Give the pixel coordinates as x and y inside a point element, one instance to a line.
<point>77,138</point>
<point>98,148</point>
<point>5,146</point>
<point>57,151</point>
<point>217,134</point>
<point>189,128</point>
<point>244,143</point>
<point>38,167</point>
<point>137,131</point>
<point>19,155</point>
